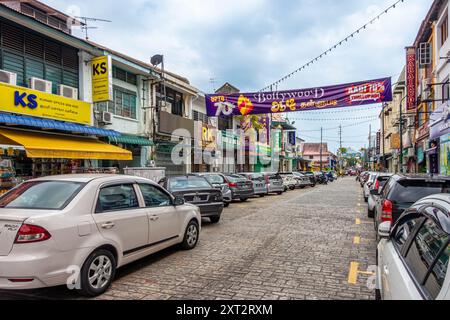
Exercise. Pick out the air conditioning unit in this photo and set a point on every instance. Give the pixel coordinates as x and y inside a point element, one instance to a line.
<point>68,92</point>
<point>40,85</point>
<point>107,117</point>
<point>8,77</point>
<point>165,106</point>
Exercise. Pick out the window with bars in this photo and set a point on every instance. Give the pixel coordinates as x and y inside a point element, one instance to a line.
<point>123,105</point>
<point>199,116</point>
<point>444,30</point>
<point>30,55</point>
<point>173,97</point>
<point>124,76</point>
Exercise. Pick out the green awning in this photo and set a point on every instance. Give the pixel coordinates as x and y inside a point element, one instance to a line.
<point>135,140</point>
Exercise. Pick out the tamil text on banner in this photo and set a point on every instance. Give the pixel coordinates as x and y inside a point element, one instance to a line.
<point>101,79</point>
<point>21,100</point>
<point>339,96</point>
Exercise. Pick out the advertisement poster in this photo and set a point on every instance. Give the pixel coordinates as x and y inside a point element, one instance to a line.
<point>102,79</point>
<point>338,96</point>
<point>445,155</point>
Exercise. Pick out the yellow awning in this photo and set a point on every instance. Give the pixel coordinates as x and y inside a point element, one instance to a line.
<point>42,145</point>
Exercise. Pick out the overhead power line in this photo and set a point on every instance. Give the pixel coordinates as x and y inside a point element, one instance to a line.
<point>353,34</point>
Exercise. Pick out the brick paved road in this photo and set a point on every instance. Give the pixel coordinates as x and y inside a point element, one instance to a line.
<point>296,246</point>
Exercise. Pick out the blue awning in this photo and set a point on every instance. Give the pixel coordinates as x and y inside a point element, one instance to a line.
<point>55,125</point>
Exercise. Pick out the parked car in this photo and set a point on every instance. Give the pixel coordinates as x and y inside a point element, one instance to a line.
<point>380,181</point>
<point>363,178</point>
<point>218,181</point>
<point>402,190</point>
<point>290,182</point>
<point>95,222</point>
<point>372,176</point>
<point>241,188</point>
<point>197,191</point>
<point>412,258</point>
<point>310,175</point>
<point>259,183</point>
<point>274,182</point>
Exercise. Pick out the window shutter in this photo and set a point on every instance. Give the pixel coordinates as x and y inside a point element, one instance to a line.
<point>34,45</point>
<point>70,58</point>
<point>70,79</point>
<point>12,38</point>
<point>14,63</point>
<point>53,74</point>
<point>52,52</point>
<point>33,68</point>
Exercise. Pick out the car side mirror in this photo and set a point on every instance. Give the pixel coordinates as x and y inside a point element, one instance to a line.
<point>384,229</point>
<point>374,192</point>
<point>179,201</point>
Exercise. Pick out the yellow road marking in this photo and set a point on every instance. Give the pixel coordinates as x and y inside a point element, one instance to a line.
<point>353,273</point>
<point>356,240</point>
<point>358,221</point>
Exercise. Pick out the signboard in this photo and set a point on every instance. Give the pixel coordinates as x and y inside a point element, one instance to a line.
<point>411,77</point>
<point>102,79</point>
<point>339,96</point>
<point>378,147</point>
<point>439,124</point>
<point>35,103</point>
<point>395,141</point>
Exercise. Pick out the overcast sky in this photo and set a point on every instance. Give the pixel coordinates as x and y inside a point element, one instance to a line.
<point>252,43</point>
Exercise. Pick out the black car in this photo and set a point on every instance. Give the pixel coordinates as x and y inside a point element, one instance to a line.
<point>241,188</point>
<point>197,191</point>
<point>401,191</point>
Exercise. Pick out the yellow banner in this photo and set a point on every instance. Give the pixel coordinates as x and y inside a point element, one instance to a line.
<point>21,100</point>
<point>101,79</point>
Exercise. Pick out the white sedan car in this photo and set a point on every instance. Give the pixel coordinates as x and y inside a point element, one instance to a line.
<point>413,257</point>
<point>76,230</point>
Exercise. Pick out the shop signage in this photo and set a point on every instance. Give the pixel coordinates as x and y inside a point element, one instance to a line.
<point>395,141</point>
<point>378,148</point>
<point>339,96</point>
<point>439,122</point>
<point>102,79</point>
<point>35,103</point>
<point>411,77</point>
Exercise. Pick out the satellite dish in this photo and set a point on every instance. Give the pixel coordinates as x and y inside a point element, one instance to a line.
<point>157,59</point>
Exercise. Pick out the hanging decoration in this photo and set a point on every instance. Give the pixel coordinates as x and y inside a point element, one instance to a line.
<point>339,96</point>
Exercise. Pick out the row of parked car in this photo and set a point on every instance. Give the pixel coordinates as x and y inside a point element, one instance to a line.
<point>412,221</point>
<point>212,192</point>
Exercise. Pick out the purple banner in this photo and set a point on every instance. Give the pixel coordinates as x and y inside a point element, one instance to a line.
<point>339,96</point>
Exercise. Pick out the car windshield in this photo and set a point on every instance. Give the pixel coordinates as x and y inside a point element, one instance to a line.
<point>188,183</point>
<point>41,195</point>
<point>235,178</point>
<point>409,191</point>
<point>215,179</point>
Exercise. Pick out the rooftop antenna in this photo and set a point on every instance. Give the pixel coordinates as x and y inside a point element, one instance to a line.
<point>85,26</point>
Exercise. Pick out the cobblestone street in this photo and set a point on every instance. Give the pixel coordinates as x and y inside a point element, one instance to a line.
<point>301,245</point>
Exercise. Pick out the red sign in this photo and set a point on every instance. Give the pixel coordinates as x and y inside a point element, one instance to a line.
<point>411,86</point>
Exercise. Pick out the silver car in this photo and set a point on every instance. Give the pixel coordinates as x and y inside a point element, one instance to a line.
<point>259,182</point>
<point>274,182</point>
<point>413,257</point>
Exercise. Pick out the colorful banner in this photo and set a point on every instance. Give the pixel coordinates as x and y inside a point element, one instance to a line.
<point>411,86</point>
<point>339,96</point>
<point>35,103</point>
<point>102,79</point>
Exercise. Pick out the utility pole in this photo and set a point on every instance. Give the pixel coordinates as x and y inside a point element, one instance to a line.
<point>321,150</point>
<point>340,150</point>
<point>370,146</point>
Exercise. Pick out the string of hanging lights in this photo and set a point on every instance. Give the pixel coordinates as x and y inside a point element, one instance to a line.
<point>323,54</point>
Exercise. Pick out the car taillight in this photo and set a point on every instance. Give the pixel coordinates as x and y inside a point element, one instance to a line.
<point>30,233</point>
<point>377,185</point>
<point>386,211</point>
<point>232,185</point>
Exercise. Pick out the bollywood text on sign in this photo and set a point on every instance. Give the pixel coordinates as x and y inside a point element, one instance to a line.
<point>339,96</point>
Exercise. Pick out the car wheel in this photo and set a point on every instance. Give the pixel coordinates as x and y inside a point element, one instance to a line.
<point>97,273</point>
<point>377,294</point>
<point>366,199</point>
<point>292,188</point>
<point>244,199</point>
<point>226,204</point>
<point>262,195</point>
<point>370,213</point>
<point>191,236</point>
<point>280,193</point>
<point>285,189</point>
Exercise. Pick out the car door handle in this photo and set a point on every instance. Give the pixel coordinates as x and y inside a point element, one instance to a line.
<point>108,225</point>
<point>386,270</point>
<point>154,218</point>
